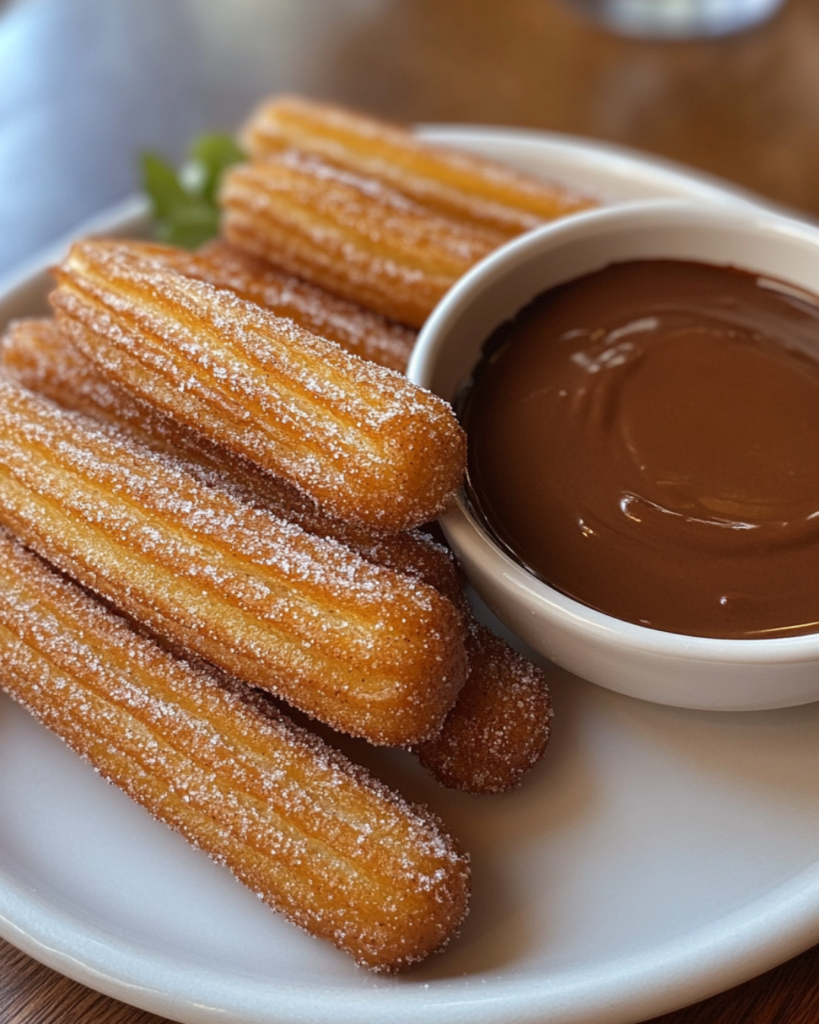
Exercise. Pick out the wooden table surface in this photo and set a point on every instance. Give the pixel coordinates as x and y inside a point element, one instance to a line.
<point>745,108</point>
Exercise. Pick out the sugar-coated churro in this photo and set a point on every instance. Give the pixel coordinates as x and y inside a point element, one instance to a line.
<point>500,725</point>
<point>451,182</point>
<point>37,354</point>
<point>476,751</point>
<point>361,440</point>
<point>316,837</point>
<point>353,235</point>
<point>356,329</point>
<point>368,650</point>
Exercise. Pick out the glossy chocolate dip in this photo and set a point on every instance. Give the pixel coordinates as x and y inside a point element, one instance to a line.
<point>646,440</point>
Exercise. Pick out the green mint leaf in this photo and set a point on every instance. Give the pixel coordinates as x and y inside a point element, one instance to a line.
<point>214,153</point>
<point>190,225</point>
<point>161,183</point>
<point>184,203</point>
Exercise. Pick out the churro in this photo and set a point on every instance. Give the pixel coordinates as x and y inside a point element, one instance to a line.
<point>361,440</point>
<point>37,354</point>
<point>477,750</point>
<point>353,235</point>
<point>316,837</point>
<point>368,650</point>
<point>499,728</point>
<point>356,329</point>
<point>448,181</point>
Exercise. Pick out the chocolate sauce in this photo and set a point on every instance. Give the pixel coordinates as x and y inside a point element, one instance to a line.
<point>646,440</point>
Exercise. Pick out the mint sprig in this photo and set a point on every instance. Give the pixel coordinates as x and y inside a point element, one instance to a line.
<point>184,202</point>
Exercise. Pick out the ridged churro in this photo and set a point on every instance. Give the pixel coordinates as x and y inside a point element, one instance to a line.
<point>37,355</point>
<point>361,440</point>
<point>478,750</point>
<point>368,650</point>
<point>451,182</point>
<point>353,235</point>
<point>500,725</point>
<point>356,329</point>
<point>316,837</point>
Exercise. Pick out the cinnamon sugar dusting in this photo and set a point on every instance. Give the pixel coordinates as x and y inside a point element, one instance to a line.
<point>39,356</point>
<point>362,440</point>
<point>212,479</point>
<point>315,836</point>
<point>373,651</point>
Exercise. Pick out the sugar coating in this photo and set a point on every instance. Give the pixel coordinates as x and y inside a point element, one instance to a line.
<point>39,356</point>
<point>500,725</point>
<point>351,234</point>
<point>400,223</point>
<point>317,837</point>
<point>369,650</point>
<point>362,440</point>
<point>359,330</point>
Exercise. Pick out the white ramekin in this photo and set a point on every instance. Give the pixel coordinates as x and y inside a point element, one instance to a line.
<point>666,668</point>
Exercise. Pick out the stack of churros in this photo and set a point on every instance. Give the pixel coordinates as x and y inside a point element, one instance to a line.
<point>316,837</point>
<point>225,485</point>
<point>472,751</point>
<point>370,212</point>
<point>368,650</point>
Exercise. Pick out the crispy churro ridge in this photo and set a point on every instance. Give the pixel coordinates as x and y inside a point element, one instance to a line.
<point>360,439</point>
<point>316,837</point>
<point>353,235</point>
<point>358,330</point>
<point>36,354</point>
<point>447,180</point>
<point>368,650</point>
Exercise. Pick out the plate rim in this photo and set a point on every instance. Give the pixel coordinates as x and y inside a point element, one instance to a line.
<point>664,169</point>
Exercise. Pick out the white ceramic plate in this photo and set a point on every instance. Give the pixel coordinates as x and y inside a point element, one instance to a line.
<point>655,857</point>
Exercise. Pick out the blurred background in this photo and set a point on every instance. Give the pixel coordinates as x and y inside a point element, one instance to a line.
<point>86,84</point>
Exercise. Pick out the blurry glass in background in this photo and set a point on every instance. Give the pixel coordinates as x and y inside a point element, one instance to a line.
<point>676,19</point>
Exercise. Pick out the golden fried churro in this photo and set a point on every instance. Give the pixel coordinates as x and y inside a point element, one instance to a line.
<point>476,751</point>
<point>364,442</point>
<point>500,725</point>
<point>368,650</point>
<point>37,355</point>
<point>315,836</point>
<point>359,330</point>
<point>450,182</point>
<point>352,235</point>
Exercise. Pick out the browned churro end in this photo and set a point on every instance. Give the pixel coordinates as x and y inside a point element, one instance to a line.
<point>316,837</point>
<point>500,725</point>
<point>363,441</point>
